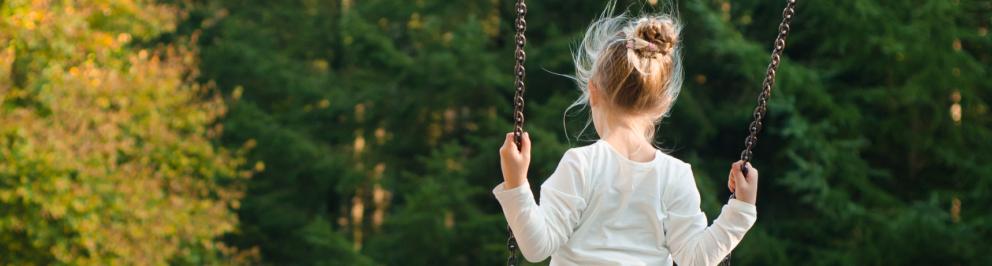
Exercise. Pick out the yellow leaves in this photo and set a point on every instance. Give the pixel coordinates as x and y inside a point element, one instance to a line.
<point>61,185</point>
<point>955,210</point>
<point>103,102</point>
<point>360,112</point>
<point>453,165</point>
<point>123,38</point>
<point>118,169</point>
<point>320,65</point>
<point>28,20</point>
<point>383,23</point>
<point>22,192</point>
<point>955,110</point>
<point>725,11</point>
<point>449,219</point>
<point>89,244</point>
<point>492,21</point>
<point>238,91</point>
<point>69,10</point>
<point>259,166</point>
<point>78,206</point>
<point>105,40</point>
<point>380,136</point>
<point>359,145</point>
<point>6,62</point>
<point>35,15</point>
<point>250,144</point>
<point>447,37</point>
<point>380,196</point>
<point>415,22</point>
<point>57,211</point>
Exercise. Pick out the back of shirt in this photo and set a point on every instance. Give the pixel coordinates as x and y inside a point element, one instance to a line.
<point>623,221</point>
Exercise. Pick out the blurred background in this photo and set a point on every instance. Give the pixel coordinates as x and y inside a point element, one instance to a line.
<point>342,132</point>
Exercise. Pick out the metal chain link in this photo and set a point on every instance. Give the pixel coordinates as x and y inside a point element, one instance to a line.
<point>766,91</point>
<point>519,73</point>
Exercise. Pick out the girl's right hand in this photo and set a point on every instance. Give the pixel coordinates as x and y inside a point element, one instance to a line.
<point>744,188</point>
<point>515,161</point>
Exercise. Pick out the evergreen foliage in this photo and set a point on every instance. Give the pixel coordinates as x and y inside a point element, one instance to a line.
<point>370,128</point>
<point>380,119</point>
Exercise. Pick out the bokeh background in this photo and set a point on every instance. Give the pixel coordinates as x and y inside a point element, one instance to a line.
<point>343,132</point>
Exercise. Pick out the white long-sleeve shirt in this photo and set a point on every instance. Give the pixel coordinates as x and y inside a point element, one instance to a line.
<point>600,208</point>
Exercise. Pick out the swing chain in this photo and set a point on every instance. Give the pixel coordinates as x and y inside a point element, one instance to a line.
<point>766,92</point>
<point>519,73</point>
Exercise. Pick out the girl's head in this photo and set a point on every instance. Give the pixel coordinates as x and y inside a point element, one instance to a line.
<point>629,70</point>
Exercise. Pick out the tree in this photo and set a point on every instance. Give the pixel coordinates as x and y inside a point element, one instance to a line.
<point>871,146</point>
<point>106,147</point>
<point>377,123</point>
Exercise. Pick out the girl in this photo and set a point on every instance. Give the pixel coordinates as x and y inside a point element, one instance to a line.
<point>620,201</point>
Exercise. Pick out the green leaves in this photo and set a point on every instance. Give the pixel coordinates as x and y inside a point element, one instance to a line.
<point>377,123</point>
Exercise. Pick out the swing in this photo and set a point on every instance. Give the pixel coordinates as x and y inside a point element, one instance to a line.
<point>520,24</point>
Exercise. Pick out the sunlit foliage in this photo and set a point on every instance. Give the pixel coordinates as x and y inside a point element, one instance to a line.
<point>106,155</point>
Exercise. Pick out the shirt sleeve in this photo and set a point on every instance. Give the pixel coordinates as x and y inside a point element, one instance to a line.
<point>541,229</point>
<point>690,241</point>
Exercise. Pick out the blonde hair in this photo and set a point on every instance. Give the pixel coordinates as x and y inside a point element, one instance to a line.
<point>634,62</point>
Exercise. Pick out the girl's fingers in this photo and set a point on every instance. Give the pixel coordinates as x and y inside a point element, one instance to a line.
<point>735,169</point>
<point>730,180</point>
<point>738,176</point>
<point>525,143</point>
<point>508,143</point>
<point>752,174</point>
<point>731,184</point>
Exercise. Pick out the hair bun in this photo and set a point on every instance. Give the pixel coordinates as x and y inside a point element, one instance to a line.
<point>653,37</point>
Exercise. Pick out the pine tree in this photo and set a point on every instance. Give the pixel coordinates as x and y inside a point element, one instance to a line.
<point>377,122</point>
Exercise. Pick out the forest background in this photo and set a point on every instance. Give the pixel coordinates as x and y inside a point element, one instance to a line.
<point>343,132</point>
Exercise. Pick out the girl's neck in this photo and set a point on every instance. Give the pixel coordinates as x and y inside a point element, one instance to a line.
<point>628,139</point>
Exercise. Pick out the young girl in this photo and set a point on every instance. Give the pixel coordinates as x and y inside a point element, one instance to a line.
<point>620,201</point>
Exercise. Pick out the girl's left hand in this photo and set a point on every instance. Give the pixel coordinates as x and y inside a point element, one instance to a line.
<point>514,161</point>
<point>744,188</point>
